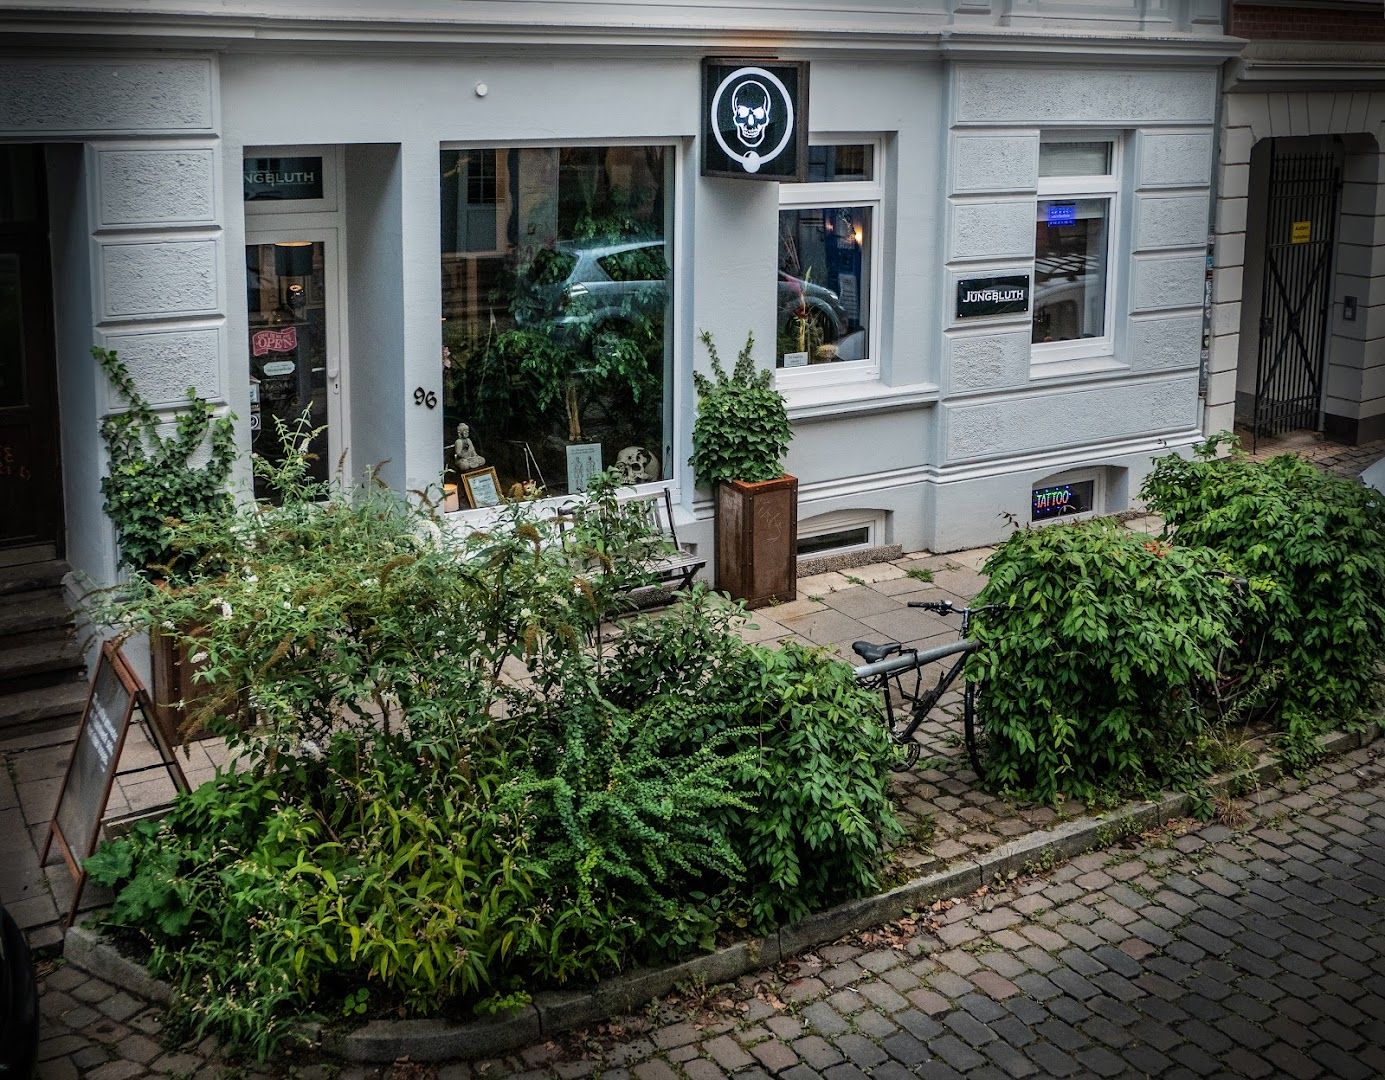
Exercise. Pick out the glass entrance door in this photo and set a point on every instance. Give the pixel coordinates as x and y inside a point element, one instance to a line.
<point>295,365</point>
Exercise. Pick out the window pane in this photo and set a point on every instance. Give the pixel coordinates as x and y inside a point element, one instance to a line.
<point>1070,269</point>
<point>555,287</point>
<point>286,298</point>
<point>841,163</point>
<point>824,285</point>
<point>1075,159</point>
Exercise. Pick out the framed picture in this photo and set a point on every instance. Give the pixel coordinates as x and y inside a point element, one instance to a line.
<point>482,487</point>
<point>583,462</point>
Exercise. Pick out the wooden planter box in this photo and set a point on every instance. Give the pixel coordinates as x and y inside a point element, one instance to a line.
<point>172,671</point>
<point>756,539</point>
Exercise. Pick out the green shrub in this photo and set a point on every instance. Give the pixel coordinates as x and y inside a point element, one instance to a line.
<point>264,894</point>
<point>818,819</point>
<point>1315,544</point>
<point>455,788</point>
<point>1090,669</point>
<point>742,428</point>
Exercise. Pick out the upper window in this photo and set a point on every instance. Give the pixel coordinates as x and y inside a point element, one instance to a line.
<point>556,328</point>
<point>1078,183</point>
<point>828,261</point>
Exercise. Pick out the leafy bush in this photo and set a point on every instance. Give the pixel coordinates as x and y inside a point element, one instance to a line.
<point>152,477</point>
<point>817,783</point>
<point>1090,669</point>
<point>1315,544</point>
<point>742,428</point>
<point>265,892</point>
<point>456,788</point>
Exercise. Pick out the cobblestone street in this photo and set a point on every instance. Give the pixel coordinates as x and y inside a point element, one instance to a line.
<point>1254,946</point>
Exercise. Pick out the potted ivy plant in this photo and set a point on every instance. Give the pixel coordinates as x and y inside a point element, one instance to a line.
<point>740,437</point>
<point>154,481</point>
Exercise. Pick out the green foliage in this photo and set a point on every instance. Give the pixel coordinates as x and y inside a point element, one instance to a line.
<point>823,815</point>
<point>1091,671</point>
<point>742,428</point>
<point>1314,628</point>
<point>455,789</point>
<point>152,482</point>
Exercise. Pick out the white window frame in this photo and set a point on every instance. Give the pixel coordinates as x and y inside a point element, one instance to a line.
<point>483,517</point>
<point>824,193</point>
<point>1106,187</point>
<point>839,521</point>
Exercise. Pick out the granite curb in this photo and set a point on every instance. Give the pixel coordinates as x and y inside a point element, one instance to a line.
<point>551,1012</point>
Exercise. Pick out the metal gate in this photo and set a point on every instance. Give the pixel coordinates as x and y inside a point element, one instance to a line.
<point>1300,223</point>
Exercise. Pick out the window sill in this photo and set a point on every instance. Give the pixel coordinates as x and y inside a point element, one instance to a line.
<point>827,402</point>
<point>1045,370</point>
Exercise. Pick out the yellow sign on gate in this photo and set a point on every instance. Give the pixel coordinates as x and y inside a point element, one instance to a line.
<point>1301,233</point>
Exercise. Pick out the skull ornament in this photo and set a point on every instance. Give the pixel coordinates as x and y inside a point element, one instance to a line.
<point>636,465</point>
<point>750,109</point>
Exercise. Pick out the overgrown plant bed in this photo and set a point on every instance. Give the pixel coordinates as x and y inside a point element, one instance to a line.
<point>383,1039</point>
<point>413,833</point>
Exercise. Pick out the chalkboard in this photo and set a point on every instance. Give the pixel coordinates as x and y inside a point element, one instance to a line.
<point>112,702</point>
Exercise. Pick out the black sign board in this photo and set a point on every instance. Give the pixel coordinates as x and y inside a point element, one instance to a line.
<point>1007,295</point>
<point>755,119</point>
<point>1061,500</point>
<point>280,178</point>
<point>114,696</point>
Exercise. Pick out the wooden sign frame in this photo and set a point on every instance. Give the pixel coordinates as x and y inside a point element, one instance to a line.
<point>76,849</point>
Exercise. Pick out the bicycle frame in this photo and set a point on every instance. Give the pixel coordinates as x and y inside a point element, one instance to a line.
<point>876,676</point>
<point>883,673</point>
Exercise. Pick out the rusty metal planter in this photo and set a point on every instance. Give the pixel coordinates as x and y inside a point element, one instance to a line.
<point>756,533</point>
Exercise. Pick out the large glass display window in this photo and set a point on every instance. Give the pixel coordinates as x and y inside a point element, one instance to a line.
<point>556,290</point>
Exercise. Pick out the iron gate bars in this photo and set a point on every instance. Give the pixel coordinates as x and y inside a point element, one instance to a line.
<point>1300,221</point>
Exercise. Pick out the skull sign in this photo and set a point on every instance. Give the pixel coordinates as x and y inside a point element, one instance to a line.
<point>636,465</point>
<point>750,107</point>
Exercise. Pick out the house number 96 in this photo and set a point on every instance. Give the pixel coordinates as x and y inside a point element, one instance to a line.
<point>425,397</point>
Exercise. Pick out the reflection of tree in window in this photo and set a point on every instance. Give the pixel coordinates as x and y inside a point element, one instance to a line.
<point>560,336</point>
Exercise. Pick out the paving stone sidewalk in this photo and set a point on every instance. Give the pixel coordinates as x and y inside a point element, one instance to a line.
<point>1253,946</point>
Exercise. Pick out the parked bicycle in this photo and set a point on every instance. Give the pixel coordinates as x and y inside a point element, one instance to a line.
<point>888,664</point>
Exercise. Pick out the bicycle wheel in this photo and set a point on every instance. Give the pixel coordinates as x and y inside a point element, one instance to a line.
<point>969,726</point>
<point>898,722</point>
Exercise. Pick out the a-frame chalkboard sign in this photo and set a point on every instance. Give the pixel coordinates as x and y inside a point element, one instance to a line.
<point>115,694</point>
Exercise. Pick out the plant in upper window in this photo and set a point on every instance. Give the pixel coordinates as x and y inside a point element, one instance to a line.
<point>154,480</point>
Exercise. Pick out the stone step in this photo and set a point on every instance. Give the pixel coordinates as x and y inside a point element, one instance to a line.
<point>31,613</point>
<point>32,576</point>
<point>44,663</point>
<point>43,707</point>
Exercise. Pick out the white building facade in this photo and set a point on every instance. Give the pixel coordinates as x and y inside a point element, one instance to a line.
<point>406,217</point>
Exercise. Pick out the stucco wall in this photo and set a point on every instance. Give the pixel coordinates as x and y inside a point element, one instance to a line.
<point>1006,423</point>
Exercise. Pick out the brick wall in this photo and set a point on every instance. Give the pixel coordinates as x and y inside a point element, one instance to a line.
<point>1307,23</point>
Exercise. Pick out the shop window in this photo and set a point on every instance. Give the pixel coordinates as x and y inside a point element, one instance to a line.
<point>1066,497</point>
<point>828,263</point>
<point>556,283</point>
<point>1073,280</point>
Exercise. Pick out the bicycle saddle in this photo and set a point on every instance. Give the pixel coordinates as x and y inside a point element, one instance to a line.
<point>873,654</point>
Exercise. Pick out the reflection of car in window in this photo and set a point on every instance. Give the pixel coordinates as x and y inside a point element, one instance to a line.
<point>613,282</point>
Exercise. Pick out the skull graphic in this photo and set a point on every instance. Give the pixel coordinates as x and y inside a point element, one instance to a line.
<point>636,465</point>
<point>750,108</point>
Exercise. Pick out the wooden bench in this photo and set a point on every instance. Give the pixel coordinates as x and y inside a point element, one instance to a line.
<point>672,568</point>
<point>675,569</point>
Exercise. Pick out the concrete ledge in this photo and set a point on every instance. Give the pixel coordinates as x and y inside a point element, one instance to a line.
<point>84,948</point>
<point>381,1041</point>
